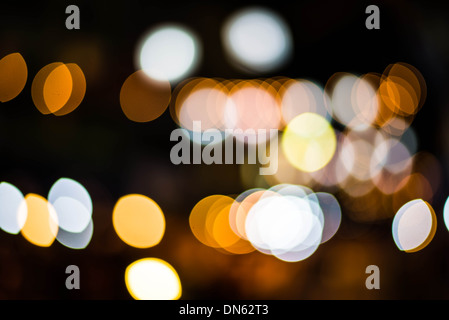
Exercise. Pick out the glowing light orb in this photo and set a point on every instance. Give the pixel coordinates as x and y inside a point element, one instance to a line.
<point>257,39</point>
<point>152,279</point>
<point>169,53</point>
<point>309,142</point>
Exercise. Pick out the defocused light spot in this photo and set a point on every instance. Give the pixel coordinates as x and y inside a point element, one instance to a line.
<point>13,209</point>
<point>152,279</point>
<point>37,86</point>
<point>41,226</point>
<point>73,216</point>
<point>335,172</point>
<point>414,226</point>
<point>283,225</point>
<point>72,203</point>
<point>309,142</point>
<point>403,89</point>
<point>75,240</point>
<point>206,103</point>
<point>446,213</point>
<point>257,39</point>
<point>395,163</point>
<point>251,107</point>
<point>13,76</point>
<point>143,99</point>
<point>58,88</point>
<point>78,90</point>
<point>138,221</point>
<point>287,173</point>
<point>332,214</point>
<point>300,96</point>
<point>169,53</point>
<point>198,217</point>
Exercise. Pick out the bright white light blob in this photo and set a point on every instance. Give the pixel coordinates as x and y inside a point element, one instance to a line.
<point>152,279</point>
<point>76,240</point>
<point>257,39</point>
<point>13,208</point>
<point>169,52</point>
<point>282,224</point>
<point>72,204</point>
<point>414,226</point>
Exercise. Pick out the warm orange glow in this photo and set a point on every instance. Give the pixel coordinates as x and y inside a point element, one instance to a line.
<point>13,76</point>
<point>78,90</point>
<point>138,221</point>
<point>58,88</point>
<point>143,99</point>
<point>41,225</point>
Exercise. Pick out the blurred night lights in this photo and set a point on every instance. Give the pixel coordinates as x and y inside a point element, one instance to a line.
<point>414,226</point>
<point>257,39</point>
<point>138,221</point>
<point>152,279</point>
<point>169,53</point>
<point>13,76</point>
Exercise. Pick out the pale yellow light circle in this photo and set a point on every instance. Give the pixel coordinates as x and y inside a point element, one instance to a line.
<point>41,225</point>
<point>152,279</point>
<point>309,142</point>
<point>138,221</point>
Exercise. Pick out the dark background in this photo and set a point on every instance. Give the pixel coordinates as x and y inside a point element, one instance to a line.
<point>113,156</point>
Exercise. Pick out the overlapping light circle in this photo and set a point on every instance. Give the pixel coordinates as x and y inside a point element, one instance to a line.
<point>58,88</point>
<point>286,221</point>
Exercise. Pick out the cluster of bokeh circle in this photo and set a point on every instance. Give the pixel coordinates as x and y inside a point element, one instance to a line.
<point>372,156</point>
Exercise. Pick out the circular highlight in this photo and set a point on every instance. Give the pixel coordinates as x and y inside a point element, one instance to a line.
<point>143,99</point>
<point>41,225</point>
<point>152,279</point>
<point>13,76</point>
<point>309,142</point>
<point>257,39</point>
<point>58,88</point>
<point>138,221</point>
<point>13,208</point>
<point>414,226</point>
<point>169,53</point>
<point>72,204</point>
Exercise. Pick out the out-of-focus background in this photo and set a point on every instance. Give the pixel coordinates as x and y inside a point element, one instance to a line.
<point>112,152</point>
